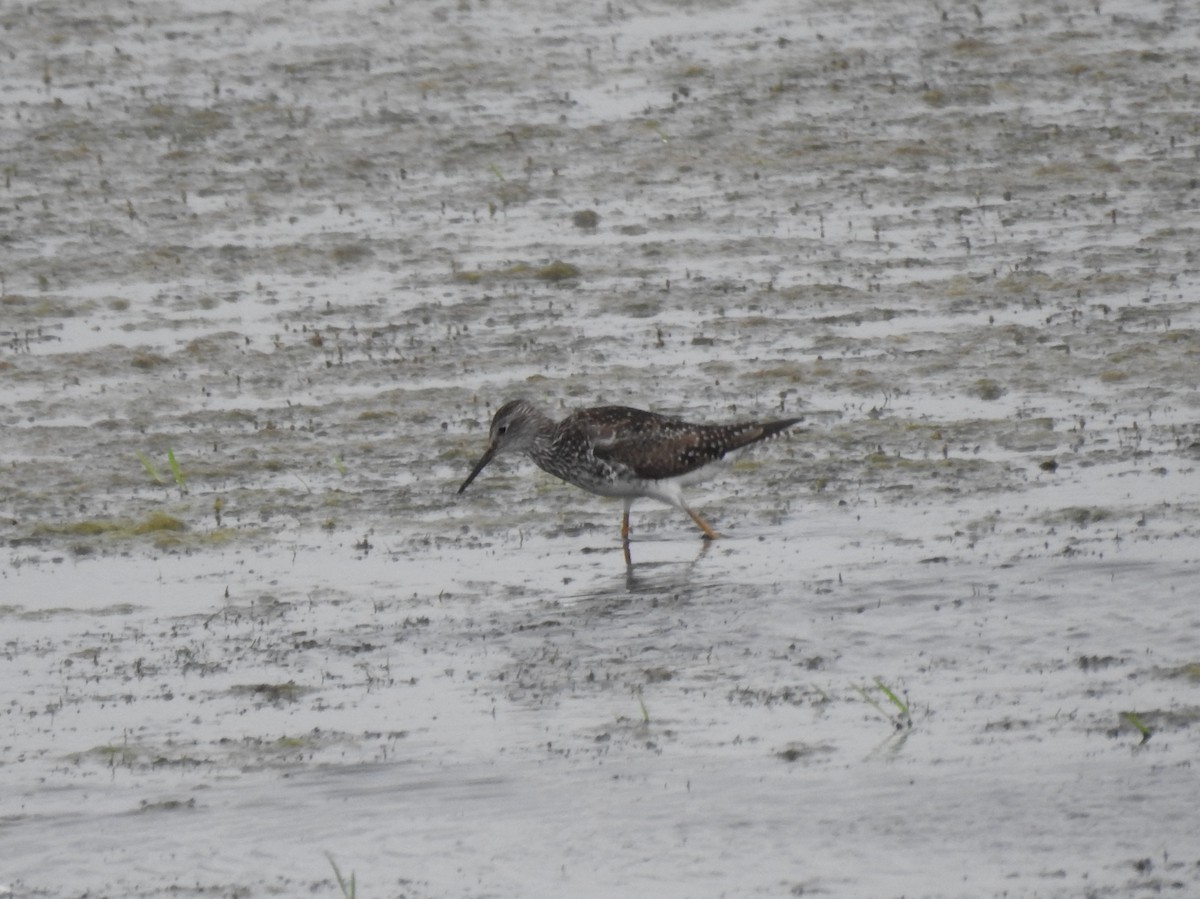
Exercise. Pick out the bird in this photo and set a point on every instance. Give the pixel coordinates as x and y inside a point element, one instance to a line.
<point>621,451</point>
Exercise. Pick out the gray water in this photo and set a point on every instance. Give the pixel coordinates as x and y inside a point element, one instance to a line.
<point>306,250</point>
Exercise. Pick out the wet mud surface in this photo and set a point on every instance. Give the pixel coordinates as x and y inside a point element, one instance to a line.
<point>266,275</point>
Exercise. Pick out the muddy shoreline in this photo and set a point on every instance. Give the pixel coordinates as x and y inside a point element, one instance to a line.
<point>268,273</point>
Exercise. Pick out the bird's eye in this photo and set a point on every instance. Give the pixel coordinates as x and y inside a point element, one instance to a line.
<point>501,429</point>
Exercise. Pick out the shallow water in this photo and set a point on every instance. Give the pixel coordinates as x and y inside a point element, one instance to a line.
<point>305,251</point>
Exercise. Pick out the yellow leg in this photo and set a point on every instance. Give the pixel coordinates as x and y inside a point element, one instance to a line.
<point>625,526</point>
<point>709,533</point>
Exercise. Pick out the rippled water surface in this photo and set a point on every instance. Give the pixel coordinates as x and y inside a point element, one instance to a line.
<point>267,273</point>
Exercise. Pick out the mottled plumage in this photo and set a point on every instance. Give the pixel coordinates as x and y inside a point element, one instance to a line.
<point>619,451</point>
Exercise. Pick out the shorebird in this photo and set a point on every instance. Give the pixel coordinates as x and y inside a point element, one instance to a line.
<point>622,452</point>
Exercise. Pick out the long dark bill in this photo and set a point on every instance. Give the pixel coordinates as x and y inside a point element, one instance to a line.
<point>487,457</point>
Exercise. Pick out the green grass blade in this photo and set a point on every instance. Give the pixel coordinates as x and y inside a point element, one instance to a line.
<point>348,887</point>
<point>896,701</point>
<point>657,129</point>
<point>175,469</point>
<point>150,470</point>
<point>870,700</point>
<point>1137,723</point>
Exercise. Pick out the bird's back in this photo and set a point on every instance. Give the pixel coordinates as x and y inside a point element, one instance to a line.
<point>646,446</point>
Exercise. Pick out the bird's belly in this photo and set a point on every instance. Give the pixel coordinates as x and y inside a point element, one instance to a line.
<point>665,489</point>
<point>612,488</point>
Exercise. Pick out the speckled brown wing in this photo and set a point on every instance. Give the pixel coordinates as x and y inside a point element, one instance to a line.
<point>621,437</point>
<point>654,447</point>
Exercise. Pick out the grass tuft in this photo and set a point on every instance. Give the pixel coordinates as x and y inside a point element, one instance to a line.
<point>1135,721</point>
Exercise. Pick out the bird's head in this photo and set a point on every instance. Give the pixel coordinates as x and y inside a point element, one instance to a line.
<point>515,427</point>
